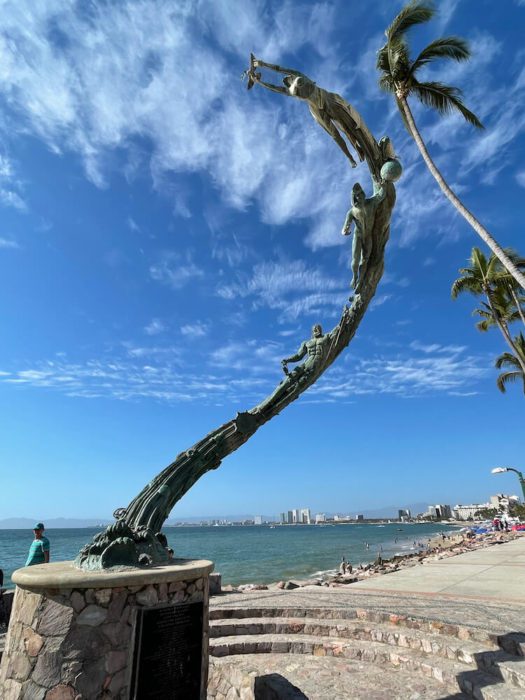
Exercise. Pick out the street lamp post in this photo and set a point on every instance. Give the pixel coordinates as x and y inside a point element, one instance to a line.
<point>500,470</point>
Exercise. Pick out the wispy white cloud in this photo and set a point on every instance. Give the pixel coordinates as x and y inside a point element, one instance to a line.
<point>379,300</point>
<point>132,224</point>
<point>175,270</point>
<point>445,13</point>
<point>195,330</point>
<point>155,327</point>
<point>8,243</point>
<point>10,185</point>
<point>104,76</point>
<point>437,348</point>
<point>241,372</point>
<point>233,252</point>
<point>440,369</point>
<point>157,70</point>
<point>293,288</point>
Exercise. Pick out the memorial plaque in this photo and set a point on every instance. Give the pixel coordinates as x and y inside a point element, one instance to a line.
<point>167,656</point>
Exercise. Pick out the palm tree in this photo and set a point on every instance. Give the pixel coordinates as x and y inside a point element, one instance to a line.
<point>511,288</point>
<point>507,297</point>
<point>399,76</point>
<point>508,360</point>
<point>484,276</point>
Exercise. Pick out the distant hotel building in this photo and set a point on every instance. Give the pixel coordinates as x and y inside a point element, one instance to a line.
<point>305,516</point>
<point>468,512</point>
<point>439,511</point>
<point>403,514</point>
<point>297,516</point>
<point>257,520</point>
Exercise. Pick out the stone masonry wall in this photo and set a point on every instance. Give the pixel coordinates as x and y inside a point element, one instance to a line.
<point>76,644</point>
<point>228,682</point>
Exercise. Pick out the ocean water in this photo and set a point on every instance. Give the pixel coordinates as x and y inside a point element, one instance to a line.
<point>259,554</point>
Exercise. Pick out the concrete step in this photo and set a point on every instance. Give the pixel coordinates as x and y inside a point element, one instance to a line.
<point>451,673</point>
<point>484,686</point>
<point>495,661</point>
<point>283,677</point>
<point>463,651</point>
<point>511,668</point>
<point>513,643</point>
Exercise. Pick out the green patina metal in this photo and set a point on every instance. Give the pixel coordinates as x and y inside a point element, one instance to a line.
<point>135,539</point>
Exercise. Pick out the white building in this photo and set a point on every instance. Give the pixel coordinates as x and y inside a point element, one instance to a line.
<point>502,502</point>
<point>461,512</point>
<point>306,518</point>
<point>257,520</point>
<point>320,518</point>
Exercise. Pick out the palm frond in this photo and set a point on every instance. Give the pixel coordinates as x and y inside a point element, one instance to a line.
<point>493,266</point>
<point>465,284</point>
<point>447,47</point>
<point>387,84</point>
<point>507,360</point>
<point>484,325</point>
<point>478,259</point>
<point>504,275</point>
<point>444,99</point>
<point>507,377</point>
<point>415,12</point>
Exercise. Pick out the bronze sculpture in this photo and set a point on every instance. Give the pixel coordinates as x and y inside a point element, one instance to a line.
<point>136,539</point>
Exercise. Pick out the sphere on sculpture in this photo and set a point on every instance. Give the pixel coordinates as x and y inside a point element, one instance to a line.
<point>391,171</point>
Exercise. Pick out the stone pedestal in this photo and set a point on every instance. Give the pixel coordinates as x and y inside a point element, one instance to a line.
<point>135,633</point>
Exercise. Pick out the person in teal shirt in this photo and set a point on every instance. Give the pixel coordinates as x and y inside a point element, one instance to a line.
<point>39,549</point>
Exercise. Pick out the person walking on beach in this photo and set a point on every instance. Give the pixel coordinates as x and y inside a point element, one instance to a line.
<point>39,549</point>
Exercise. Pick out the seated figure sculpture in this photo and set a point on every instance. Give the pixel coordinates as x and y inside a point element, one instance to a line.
<point>316,349</point>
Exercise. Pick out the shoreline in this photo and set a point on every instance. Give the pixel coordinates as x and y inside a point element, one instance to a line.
<point>438,548</point>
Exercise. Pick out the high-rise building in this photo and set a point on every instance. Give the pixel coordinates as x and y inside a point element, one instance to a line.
<point>305,516</point>
<point>403,514</point>
<point>320,518</point>
<point>441,511</point>
<point>296,517</point>
<point>290,519</point>
<point>257,520</point>
<point>283,519</point>
<point>359,516</point>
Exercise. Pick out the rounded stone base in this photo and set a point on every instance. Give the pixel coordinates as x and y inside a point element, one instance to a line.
<point>76,635</point>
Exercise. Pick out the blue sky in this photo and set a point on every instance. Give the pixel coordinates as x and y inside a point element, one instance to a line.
<point>167,237</point>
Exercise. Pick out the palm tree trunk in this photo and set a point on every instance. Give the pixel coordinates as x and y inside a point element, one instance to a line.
<point>465,213</point>
<point>518,305</point>
<point>505,333</point>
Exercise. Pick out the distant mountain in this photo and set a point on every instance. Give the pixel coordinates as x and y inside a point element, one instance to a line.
<point>51,523</point>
